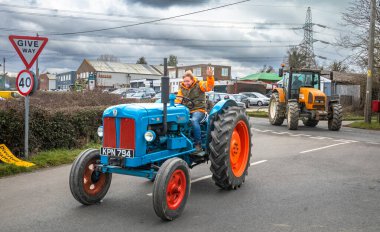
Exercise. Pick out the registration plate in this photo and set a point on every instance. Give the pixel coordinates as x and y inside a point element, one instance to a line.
<point>118,152</point>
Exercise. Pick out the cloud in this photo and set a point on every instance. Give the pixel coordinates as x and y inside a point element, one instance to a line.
<point>245,36</point>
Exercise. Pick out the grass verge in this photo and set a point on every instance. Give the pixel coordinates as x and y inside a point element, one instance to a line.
<point>45,159</point>
<point>258,114</point>
<point>362,125</point>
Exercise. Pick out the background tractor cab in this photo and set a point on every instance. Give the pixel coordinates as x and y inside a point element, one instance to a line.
<point>300,97</point>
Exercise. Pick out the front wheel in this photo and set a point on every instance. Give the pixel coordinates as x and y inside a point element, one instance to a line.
<point>310,122</point>
<point>87,185</point>
<point>275,111</point>
<point>230,148</point>
<point>292,115</point>
<point>171,189</point>
<point>335,117</point>
<point>259,103</point>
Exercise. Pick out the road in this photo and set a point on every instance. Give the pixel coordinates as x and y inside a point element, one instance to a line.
<point>305,180</point>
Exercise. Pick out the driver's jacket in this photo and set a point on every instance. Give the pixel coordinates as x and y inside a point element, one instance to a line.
<point>196,93</point>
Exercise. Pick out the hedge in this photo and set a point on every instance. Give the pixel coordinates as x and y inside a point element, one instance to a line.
<point>57,120</point>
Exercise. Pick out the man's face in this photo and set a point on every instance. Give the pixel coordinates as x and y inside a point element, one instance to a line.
<point>187,82</point>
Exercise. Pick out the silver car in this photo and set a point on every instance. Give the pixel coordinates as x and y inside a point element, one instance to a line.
<point>256,98</point>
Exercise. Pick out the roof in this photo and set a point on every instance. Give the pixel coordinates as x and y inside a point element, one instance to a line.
<point>160,68</point>
<point>349,78</point>
<point>117,67</point>
<point>262,77</point>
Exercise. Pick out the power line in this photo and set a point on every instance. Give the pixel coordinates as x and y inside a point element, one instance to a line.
<point>152,21</point>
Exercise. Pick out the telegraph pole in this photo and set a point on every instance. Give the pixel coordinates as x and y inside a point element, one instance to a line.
<point>368,96</point>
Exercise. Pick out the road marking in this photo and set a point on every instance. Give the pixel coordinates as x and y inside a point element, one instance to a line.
<point>320,148</point>
<point>280,133</point>
<point>345,141</point>
<point>319,137</point>
<point>209,176</point>
<point>373,143</point>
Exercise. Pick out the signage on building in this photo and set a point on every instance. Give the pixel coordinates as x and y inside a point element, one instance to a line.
<point>104,75</point>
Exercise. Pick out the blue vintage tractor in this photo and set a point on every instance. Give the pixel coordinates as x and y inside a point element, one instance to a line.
<point>154,141</point>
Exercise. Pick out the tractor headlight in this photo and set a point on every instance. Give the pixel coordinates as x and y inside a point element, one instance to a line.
<point>100,131</point>
<point>149,136</point>
<point>302,96</point>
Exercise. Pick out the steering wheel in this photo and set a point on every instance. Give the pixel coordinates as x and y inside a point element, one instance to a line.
<point>187,102</point>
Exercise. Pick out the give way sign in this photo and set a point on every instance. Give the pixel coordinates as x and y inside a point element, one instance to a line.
<point>28,48</point>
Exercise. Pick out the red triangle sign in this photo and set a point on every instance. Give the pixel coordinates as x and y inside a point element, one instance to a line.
<point>28,48</point>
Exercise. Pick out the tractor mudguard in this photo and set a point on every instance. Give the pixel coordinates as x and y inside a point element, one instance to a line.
<point>218,107</point>
<point>281,94</point>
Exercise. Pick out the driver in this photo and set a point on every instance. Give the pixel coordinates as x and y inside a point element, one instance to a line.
<point>296,83</point>
<point>194,90</point>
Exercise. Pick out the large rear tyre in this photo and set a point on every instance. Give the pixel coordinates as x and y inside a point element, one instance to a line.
<point>335,117</point>
<point>87,185</point>
<point>310,122</point>
<point>276,114</point>
<point>230,148</point>
<point>292,115</point>
<point>171,189</point>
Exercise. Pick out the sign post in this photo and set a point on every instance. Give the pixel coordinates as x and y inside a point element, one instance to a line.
<point>28,48</point>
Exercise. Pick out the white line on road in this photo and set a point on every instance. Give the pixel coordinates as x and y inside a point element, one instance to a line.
<point>209,176</point>
<point>320,148</point>
<point>373,143</point>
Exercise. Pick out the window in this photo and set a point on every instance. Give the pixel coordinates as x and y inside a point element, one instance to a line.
<point>225,72</point>
<point>180,73</point>
<point>197,72</point>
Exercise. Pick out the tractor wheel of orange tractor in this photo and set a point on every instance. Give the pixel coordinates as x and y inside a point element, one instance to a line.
<point>171,189</point>
<point>88,185</point>
<point>230,148</point>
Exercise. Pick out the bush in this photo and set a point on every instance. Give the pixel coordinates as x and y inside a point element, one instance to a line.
<point>57,120</point>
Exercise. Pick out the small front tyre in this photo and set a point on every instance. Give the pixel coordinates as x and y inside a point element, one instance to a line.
<point>171,189</point>
<point>87,185</point>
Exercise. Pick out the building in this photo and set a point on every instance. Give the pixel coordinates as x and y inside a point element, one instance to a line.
<point>104,74</point>
<point>47,82</point>
<point>222,75</point>
<point>64,80</point>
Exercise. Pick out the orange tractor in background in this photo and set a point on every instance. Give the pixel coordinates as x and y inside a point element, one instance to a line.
<point>300,97</point>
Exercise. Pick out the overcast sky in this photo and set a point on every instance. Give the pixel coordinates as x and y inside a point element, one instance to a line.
<point>245,36</point>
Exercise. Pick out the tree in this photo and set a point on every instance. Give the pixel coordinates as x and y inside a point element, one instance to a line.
<point>356,19</point>
<point>108,57</point>
<point>338,66</point>
<point>172,60</point>
<point>267,69</point>
<point>295,58</point>
<point>141,60</point>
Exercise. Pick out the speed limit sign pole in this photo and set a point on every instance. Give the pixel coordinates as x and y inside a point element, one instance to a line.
<point>25,83</point>
<point>28,48</point>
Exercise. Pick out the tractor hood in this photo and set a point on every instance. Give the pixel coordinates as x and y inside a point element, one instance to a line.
<point>152,111</point>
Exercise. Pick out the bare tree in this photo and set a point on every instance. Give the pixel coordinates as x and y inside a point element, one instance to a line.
<point>141,60</point>
<point>108,57</point>
<point>295,58</point>
<point>356,19</point>
<point>338,66</point>
<point>173,61</point>
<point>267,69</point>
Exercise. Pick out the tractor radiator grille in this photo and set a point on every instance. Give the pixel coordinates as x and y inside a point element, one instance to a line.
<point>127,133</point>
<point>109,132</point>
<point>125,138</point>
<point>319,107</point>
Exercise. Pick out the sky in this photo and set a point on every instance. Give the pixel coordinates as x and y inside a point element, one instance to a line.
<point>245,36</point>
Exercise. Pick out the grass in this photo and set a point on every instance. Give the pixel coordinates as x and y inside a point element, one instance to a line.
<point>362,125</point>
<point>258,114</point>
<point>45,159</point>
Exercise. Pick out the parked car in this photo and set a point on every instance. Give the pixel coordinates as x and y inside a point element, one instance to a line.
<point>242,98</point>
<point>256,98</point>
<point>138,95</point>
<point>215,97</point>
<point>147,90</point>
<point>157,96</point>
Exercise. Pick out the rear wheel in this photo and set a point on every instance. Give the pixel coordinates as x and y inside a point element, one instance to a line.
<point>310,122</point>
<point>292,115</point>
<point>335,117</point>
<point>230,148</point>
<point>87,185</point>
<point>276,113</point>
<point>259,103</point>
<point>171,189</point>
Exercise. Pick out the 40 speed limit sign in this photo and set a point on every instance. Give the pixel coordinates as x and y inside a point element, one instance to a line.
<point>25,82</point>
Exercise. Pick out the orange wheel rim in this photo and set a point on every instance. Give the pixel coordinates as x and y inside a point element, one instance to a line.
<point>93,181</point>
<point>239,148</point>
<point>176,189</point>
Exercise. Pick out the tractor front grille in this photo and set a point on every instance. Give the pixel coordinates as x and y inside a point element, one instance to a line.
<point>119,133</point>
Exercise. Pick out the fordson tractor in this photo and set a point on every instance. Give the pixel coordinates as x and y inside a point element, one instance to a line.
<point>154,141</point>
<point>301,98</point>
